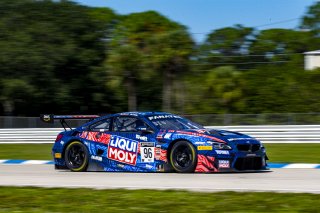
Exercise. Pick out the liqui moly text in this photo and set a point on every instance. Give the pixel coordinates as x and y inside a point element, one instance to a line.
<point>123,150</point>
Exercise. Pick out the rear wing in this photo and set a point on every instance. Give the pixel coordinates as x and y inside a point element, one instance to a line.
<point>49,118</point>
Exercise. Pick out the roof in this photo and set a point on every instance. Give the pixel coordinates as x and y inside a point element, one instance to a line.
<point>143,113</point>
<point>316,52</point>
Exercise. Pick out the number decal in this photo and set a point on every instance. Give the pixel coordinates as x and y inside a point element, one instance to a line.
<point>147,152</point>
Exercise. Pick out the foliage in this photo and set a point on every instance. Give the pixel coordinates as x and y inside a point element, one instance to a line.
<point>220,91</point>
<point>62,57</point>
<point>153,48</point>
<point>53,47</point>
<point>311,19</point>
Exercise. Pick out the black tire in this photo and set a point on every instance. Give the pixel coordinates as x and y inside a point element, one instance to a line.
<point>76,157</point>
<point>183,157</point>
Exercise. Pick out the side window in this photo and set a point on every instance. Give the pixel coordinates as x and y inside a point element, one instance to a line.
<point>103,125</point>
<point>127,124</point>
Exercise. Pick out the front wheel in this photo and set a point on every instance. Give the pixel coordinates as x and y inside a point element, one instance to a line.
<point>183,157</point>
<point>76,156</point>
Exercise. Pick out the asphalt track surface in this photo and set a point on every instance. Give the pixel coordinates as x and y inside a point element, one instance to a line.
<point>276,180</point>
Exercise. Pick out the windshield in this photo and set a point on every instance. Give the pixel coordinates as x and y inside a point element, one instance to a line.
<point>173,122</point>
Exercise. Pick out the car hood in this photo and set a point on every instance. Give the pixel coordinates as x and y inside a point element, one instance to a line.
<point>229,137</point>
<point>233,137</point>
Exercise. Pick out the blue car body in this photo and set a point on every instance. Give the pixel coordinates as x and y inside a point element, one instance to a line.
<point>113,144</point>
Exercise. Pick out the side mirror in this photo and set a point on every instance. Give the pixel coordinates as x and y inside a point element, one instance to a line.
<point>144,129</point>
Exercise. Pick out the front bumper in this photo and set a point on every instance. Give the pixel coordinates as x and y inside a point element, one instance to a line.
<point>233,162</point>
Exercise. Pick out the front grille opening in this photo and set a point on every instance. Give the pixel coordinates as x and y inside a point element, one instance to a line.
<point>248,147</point>
<point>248,163</point>
<point>243,147</point>
<point>255,147</point>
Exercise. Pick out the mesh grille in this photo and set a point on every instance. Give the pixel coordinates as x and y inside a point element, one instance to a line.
<point>249,163</point>
<point>248,147</point>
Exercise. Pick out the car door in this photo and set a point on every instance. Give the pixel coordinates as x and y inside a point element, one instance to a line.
<point>129,144</point>
<point>99,133</point>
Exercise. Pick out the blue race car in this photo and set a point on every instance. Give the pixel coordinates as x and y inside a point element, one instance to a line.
<point>152,142</point>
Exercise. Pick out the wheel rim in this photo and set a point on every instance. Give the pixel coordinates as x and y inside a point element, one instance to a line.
<point>182,156</point>
<point>76,156</point>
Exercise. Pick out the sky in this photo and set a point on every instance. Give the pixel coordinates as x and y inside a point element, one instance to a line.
<point>203,16</point>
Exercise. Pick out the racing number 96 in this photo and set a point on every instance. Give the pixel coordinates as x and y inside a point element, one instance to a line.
<point>148,153</point>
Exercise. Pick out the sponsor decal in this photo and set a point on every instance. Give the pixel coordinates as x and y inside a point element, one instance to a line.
<point>156,117</point>
<point>167,136</point>
<point>46,118</point>
<point>224,164</point>
<point>120,165</point>
<point>204,147</point>
<point>149,166</point>
<point>161,134</point>
<point>129,113</point>
<point>199,143</point>
<point>123,150</point>
<point>57,155</point>
<point>61,142</point>
<point>98,158</point>
<point>222,152</point>
<point>251,155</point>
<point>160,168</point>
<point>147,152</point>
<point>158,152</point>
<point>143,138</point>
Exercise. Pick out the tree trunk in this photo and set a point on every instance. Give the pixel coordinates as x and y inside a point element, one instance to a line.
<point>8,107</point>
<point>166,90</point>
<point>179,89</point>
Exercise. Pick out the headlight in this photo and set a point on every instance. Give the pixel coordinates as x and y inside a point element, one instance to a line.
<point>217,145</point>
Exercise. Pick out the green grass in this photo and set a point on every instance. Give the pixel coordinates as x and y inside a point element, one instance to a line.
<point>293,153</point>
<point>277,153</point>
<point>28,199</point>
<point>26,151</point>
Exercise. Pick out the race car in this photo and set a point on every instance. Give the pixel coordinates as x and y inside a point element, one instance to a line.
<point>152,142</point>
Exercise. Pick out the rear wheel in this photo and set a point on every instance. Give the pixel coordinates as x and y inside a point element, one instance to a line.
<point>183,157</point>
<point>76,156</point>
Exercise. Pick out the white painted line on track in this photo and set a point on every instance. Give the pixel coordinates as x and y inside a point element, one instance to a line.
<point>1,161</point>
<point>35,162</point>
<point>301,166</point>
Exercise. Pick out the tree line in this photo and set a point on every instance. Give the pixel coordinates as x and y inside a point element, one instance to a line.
<point>65,58</point>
